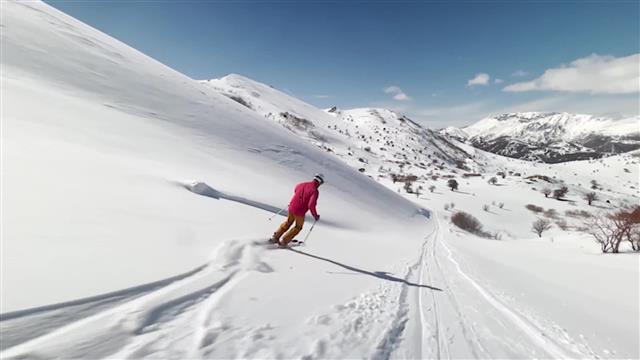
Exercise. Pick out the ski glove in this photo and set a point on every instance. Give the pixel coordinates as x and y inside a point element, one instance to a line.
<point>317,217</point>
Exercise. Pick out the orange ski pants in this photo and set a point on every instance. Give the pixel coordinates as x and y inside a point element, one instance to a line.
<point>291,233</point>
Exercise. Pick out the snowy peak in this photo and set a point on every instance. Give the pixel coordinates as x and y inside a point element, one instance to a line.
<point>455,132</point>
<point>550,126</point>
<point>553,137</point>
<point>364,138</point>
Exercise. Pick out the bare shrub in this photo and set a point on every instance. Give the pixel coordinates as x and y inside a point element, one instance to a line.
<point>562,224</point>
<point>408,188</point>
<point>534,208</point>
<point>546,191</point>
<point>453,184</point>
<point>297,122</point>
<point>501,205</point>
<point>610,230</point>
<point>540,177</point>
<point>493,180</point>
<point>485,207</point>
<point>560,193</point>
<point>550,213</point>
<point>240,100</point>
<point>432,188</point>
<point>629,223</point>
<point>591,197</point>
<point>604,231</point>
<point>578,213</point>
<point>541,225</point>
<point>467,222</point>
<point>403,178</point>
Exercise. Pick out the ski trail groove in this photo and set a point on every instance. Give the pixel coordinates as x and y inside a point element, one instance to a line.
<point>472,344</point>
<point>423,321</point>
<point>391,339</point>
<point>178,312</point>
<point>436,312</point>
<point>205,316</point>
<point>534,334</point>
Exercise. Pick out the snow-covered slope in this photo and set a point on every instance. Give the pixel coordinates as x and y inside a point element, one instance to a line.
<point>97,143</point>
<point>368,139</point>
<point>552,137</point>
<point>455,132</point>
<point>136,204</point>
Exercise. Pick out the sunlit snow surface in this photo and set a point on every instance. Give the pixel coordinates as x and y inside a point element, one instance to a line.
<point>136,206</point>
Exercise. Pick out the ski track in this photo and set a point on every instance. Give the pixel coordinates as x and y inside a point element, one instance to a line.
<point>179,319</point>
<point>537,336</point>
<point>133,328</point>
<point>423,322</point>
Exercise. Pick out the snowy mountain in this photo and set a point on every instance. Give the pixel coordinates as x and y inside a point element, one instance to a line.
<point>367,138</point>
<point>551,137</point>
<point>455,133</point>
<point>136,205</point>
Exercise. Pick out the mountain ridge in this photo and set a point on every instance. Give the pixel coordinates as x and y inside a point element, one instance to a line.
<point>551,137</point>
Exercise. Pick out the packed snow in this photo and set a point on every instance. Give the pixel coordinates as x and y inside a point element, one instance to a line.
<point>137,204</point>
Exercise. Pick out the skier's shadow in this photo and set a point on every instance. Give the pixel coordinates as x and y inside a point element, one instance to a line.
<point>379,274</point>
<point>203,189</point>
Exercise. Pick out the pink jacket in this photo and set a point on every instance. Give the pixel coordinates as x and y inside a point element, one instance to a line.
<point>304,198</point>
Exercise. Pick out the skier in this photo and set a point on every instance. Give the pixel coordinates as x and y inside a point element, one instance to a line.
<point>304,198</point>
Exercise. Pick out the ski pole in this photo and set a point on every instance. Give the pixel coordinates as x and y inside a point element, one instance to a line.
<point>310,229</point>
<point>276,214</point>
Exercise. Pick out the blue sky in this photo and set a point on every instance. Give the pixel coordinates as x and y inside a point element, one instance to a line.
<point>421,58</point>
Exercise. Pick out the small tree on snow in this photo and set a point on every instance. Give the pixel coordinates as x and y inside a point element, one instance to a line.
<point>432,188</point>
<point>467,222</point>
<point>560,193</point>
<point>591,197</point>
<point>453,184</point>
<point>493,180</point>
<point>408,188</point>
<point>609,230</point>
<point>605,232</point>
<point>541,225</point>
<point>546,191</point>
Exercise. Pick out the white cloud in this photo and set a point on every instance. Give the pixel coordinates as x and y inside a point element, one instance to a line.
<point>479,79</point>
<point>595,74</point>
<point>321,96</point>
<point>397,93</point>
<point>498,81</point>
<point>519,73</point>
